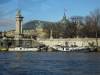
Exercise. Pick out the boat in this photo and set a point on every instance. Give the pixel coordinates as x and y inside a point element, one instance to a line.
<point>23,49</point>
<point>71,49</point>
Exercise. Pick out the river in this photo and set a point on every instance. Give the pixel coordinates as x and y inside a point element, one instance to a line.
<point>49,63</point>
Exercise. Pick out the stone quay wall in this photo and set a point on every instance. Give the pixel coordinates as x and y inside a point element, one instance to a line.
<point>69,41</point>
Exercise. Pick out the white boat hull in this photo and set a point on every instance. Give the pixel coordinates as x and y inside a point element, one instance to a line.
<point>68,49</point>
<point>23,49</point>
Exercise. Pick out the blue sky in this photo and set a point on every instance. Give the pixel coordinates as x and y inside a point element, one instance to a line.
<point>49,10</point>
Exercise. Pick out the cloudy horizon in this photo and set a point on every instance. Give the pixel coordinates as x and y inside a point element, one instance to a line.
<point>49,10</point>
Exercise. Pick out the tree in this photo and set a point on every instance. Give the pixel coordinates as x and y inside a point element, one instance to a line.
<point>92,24</point>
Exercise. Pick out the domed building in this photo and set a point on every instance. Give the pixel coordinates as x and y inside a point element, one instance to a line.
<point>64,19</point>
<point>39,27</point>
<point>40,31</point>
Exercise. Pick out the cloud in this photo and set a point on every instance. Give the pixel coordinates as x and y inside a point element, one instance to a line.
<point>7,22</point>
<point>5,13</point>
<point>4,1</point>
<point>38,1</point>
<point>30,3</point>
<point>45,7</point>
<point>7,9</point>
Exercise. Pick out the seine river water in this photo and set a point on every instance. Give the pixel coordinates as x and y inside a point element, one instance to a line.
<point>49,63</point>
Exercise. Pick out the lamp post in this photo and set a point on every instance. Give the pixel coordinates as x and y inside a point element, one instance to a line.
<point>51,32</point>
<point>96,31</point>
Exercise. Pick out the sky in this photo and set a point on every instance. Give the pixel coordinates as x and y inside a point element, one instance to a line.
<point>49,10</point>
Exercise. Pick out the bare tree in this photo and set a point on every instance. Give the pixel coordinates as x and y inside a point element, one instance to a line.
<point>93,24</point>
